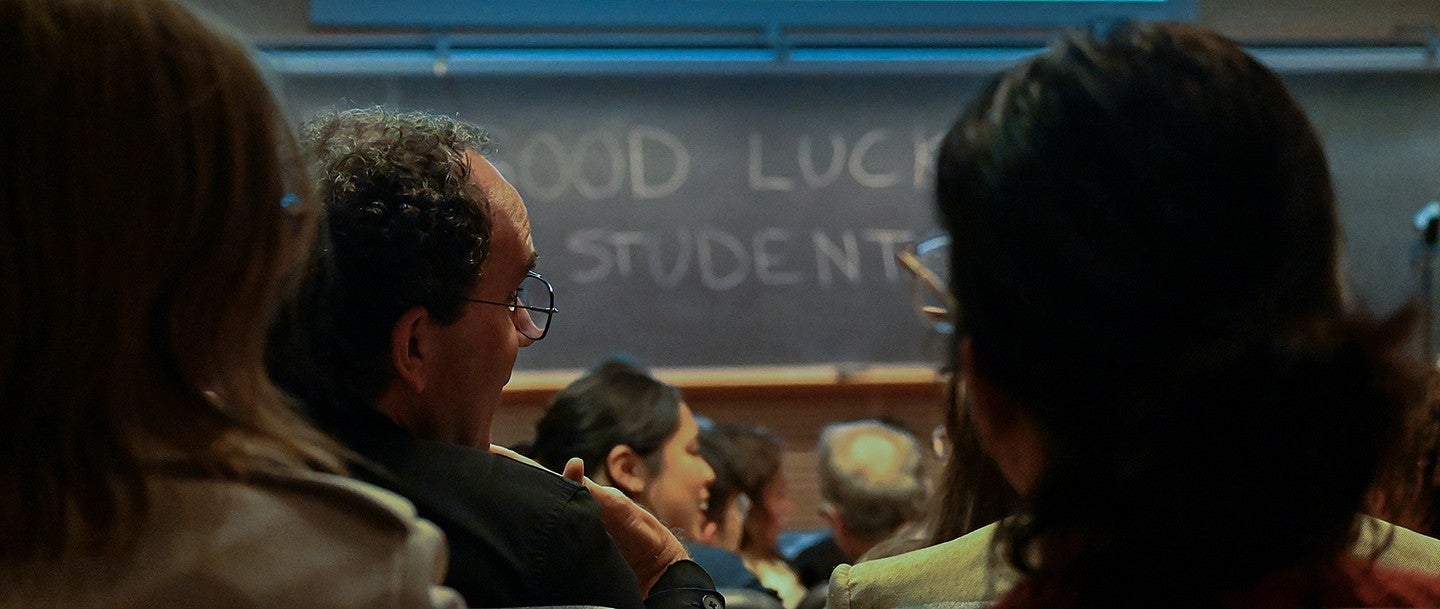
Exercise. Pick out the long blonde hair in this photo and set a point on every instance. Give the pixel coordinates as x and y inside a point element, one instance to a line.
<point>154,213</point>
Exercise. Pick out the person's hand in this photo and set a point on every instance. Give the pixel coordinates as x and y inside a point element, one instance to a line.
<point>644,541</point>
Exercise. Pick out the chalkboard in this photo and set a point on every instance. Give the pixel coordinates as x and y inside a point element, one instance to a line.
<point>752,220</point>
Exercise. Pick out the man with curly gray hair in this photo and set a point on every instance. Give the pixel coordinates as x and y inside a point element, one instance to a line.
<point>402,341</point>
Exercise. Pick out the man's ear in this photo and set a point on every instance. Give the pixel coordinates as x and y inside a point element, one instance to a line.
<point>1007,431</point>
<point>850,545</point>
<point>832,517</point>
<point>626,470</point>
<point>409,347</point>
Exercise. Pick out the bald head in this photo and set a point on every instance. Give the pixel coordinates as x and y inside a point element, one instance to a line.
<point>870,475</point>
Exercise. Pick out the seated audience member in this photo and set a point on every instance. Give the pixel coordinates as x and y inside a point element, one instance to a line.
<point>154,215</point>
<point>956,562</point>
<point>756,467</point>
<point>946,556</point>
<point>637,434</point>
<point>726,508</point>
<point>872,483</point>
<point>1153,335</point>
<point>400,346</point>
<point>969,493</point>
<point>960,566</point>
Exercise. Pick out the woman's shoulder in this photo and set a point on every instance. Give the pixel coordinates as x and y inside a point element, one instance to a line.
<point>970,549</point>
<point>359,500</point>
<point>275,539</point>
<point>293,539</point>
<point>264,496</point>
<point>961,569</point>
<point>1396,547</point>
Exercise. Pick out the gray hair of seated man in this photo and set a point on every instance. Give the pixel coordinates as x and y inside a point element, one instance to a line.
<point>871,476</point>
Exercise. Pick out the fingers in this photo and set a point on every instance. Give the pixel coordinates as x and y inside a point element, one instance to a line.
<point>575,470</point>
<point>645,543</point>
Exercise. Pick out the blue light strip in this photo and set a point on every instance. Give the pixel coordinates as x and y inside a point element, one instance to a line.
<point>978,60</point>
<point>447,14</point>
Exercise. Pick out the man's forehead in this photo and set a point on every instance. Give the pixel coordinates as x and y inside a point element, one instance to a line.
<point>501,195</point>
<point>507,212</point>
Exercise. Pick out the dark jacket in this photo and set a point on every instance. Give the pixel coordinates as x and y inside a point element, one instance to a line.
<point>815,563</point>
<point>518,535</point>
<point>725,567</point>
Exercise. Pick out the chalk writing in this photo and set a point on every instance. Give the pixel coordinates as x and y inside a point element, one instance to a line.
<point>721,260</point>
<point>648,163</point>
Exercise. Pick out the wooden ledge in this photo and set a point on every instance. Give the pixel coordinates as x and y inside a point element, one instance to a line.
<point>756,382</point>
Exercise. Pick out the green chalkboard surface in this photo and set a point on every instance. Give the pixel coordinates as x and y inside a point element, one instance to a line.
<point>752,219</point>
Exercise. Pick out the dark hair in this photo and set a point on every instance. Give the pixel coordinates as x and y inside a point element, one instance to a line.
<point>1408,494</point>
<point>406,229</point>
<point>758,454</point>
<point>970,492</point>
<point>616,403</point>
<point>719,452</point>
<point>1144,255</point>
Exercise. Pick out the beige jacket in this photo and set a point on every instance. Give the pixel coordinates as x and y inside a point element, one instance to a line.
<point>963,570</point>
<point>304,540</point>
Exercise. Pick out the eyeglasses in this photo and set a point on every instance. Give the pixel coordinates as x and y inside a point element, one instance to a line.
<point>928,263</point>
<point>530,318</point>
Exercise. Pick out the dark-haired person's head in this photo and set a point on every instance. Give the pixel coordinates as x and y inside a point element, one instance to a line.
<point>727,506</point>
<point>1145,260</point>
<point>635,433</point>
<point>758,469</point>
<point>426,242</point>
<point>153,212</point>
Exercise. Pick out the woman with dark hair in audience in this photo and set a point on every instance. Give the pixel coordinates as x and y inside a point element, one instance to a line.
<point>757,467</point>
<point>947,557</point>
<point>1159,357</point>
<point>636,433</point>
<point>1177,411</point>
<point>727,507</point>
<point>153,213</point>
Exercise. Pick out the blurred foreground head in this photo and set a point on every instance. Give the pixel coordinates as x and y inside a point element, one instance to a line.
<point>152,213</point>
<point>1145,263</point>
